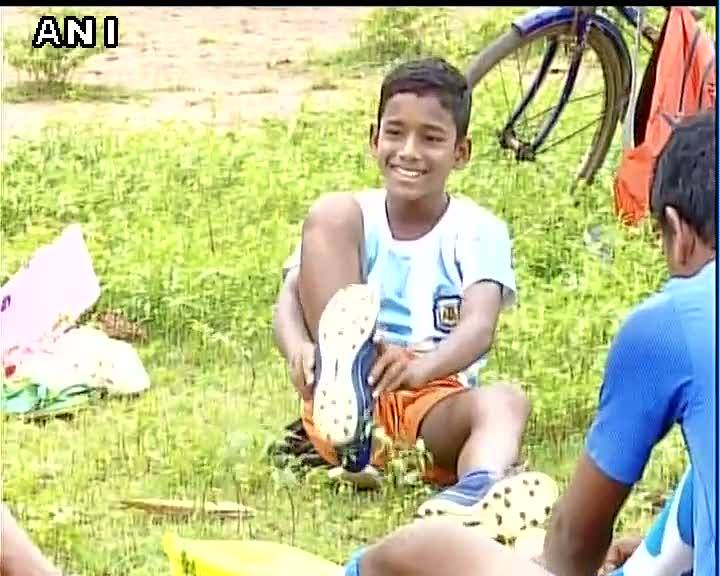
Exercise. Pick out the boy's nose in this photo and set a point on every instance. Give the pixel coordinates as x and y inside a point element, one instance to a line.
<point>409,148</point>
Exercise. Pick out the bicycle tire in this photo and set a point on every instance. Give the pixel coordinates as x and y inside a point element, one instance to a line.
<point>610,60</point>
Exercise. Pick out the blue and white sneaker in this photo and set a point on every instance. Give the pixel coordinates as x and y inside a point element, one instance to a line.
<point>342,402</point>
<point>504,509</point>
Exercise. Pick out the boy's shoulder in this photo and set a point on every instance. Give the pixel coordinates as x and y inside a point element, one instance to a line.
<point>361,194</point>
<point>474,214</point>
<point>370,197</point>
<point>467,213</point>
<point>367,198</point>
<point>649,326</point>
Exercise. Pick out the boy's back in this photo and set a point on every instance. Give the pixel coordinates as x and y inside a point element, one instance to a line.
<point>661,371</point>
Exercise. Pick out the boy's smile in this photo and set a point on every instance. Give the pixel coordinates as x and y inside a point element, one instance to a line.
<point>416,146</point>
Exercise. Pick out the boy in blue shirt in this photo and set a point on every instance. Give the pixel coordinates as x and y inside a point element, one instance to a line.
<point>660,371</point>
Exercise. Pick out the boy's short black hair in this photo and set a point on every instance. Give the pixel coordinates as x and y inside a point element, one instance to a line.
<point>431,76</point>
<point>685,176</point>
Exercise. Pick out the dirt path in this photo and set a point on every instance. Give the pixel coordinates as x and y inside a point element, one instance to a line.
<point>220,65</point>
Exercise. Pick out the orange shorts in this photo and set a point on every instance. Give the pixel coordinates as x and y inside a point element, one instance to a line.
<point>400,414</point>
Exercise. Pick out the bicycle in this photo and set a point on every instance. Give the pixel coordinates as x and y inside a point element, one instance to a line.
<point>577,29</point>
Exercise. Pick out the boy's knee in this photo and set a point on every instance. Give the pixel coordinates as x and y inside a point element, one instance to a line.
<point>337,215</point>
<point>384,558</point>
<point>502,400</point>
<point>515,401</point>
<point>398,553</point>
<point>411,549</point>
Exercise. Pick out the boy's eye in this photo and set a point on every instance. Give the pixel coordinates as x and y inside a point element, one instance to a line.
<point>433,138</point>
<point>392,131</point>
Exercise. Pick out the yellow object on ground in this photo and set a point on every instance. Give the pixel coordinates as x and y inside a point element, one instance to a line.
<point>242,558</point>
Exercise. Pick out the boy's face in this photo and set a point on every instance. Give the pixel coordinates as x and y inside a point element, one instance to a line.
<point>416,146</point>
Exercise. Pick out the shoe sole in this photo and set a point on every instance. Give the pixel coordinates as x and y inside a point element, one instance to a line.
<point>345,326</point>
<point>512,506</point>
<point>530,543</point>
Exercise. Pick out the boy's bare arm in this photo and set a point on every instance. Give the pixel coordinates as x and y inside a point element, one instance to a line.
<point>289,329</point>
<point>292,337</point>
<point>471,338</point>
<point>581,526</point>
<point>19,556</point>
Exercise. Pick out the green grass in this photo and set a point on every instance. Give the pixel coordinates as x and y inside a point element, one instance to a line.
<point>40,91</point>
<point>386,35</point>
<point>188,230</point>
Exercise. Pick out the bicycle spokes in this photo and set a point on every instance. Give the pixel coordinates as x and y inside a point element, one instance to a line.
<point>540,98</point>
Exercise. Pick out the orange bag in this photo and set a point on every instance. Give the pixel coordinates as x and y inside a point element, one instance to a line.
<point>680,81</point>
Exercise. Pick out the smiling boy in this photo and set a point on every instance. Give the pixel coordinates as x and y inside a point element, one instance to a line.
<point>660,372</point>
<point>391,300</point>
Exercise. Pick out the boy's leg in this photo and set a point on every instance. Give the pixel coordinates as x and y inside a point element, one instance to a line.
<point>474,438</point>
<point>19,556</point>
<point>477,434</point>
<point>438,546</point>
<point>332,238</point>
<point>478,429</point>
<point>442,546</point>
<point>341,325</point>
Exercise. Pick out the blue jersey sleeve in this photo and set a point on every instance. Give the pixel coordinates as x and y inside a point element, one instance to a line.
<point>643,394</point>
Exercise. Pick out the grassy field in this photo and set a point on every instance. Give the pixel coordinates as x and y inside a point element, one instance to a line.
<point>188,230</point>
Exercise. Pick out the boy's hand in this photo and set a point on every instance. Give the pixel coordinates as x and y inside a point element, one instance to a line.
<point>395,368</point>
<point>302,370</point>
<point>620,550</point>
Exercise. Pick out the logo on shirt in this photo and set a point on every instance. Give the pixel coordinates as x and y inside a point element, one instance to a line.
<point>447,312</point>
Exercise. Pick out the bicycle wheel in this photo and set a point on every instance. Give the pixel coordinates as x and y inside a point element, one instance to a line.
<point>612,94</point>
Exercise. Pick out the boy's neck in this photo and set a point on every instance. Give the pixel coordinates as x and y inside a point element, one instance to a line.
<point>412,219</point>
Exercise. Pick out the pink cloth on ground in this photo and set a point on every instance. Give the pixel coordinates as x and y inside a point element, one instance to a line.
<point>47,295</point>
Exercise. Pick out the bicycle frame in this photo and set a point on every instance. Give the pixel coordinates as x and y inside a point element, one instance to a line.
<point>582,18</point>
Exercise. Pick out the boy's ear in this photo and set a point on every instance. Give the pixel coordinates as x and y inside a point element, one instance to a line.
<point>373,139</point>
<point>680,241</point>
<point>463,151</point>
